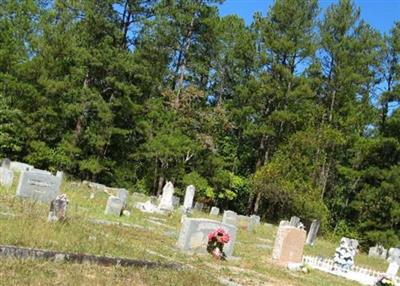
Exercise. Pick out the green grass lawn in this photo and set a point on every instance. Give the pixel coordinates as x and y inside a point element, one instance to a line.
<point>142,240</point>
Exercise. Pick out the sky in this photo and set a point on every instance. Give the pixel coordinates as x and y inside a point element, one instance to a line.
<point>381,14</point>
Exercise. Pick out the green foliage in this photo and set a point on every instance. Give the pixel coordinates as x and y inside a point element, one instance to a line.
<point>290,115</point>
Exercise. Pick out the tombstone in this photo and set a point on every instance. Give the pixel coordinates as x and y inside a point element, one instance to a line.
<point>312,233</point>
<point>394,255</point>
<point>394,260</point>
<point>114,206</point>
<point>189,196</point>
<point>243,222</point>
<point>6,163</point>
<point>166,202</point>
<point>344,254</point>
<point>38,186</point>
<point>122,194</point>
<point>378,251</point>
<point>60,174</point>
<point>198,206</point>
<point>58,208</point>
<point>6,177</point>
<point>214,211</point>
<point>193,236</point>
<point>289,245</point>
<point>229,217</point>
<point>256,219</point>
<point>176,201</point>
<point>284,223</point>
<point>20,167</point>
<point>294,221</point>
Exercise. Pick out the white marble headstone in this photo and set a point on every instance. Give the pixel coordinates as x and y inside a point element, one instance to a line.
<point>6,177</point>
<point>166,202</point>
<point>189,196</point>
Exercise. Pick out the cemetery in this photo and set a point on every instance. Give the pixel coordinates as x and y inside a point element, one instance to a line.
<point>49,222</point>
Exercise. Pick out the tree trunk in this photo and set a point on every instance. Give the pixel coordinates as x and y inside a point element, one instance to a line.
<point>257,203</point>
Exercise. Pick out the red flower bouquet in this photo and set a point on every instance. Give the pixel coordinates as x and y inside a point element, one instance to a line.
<point>216,241</point>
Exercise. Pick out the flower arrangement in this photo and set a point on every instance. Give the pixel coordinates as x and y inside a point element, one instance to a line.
<point>216,241</point>
<point>384,281</point>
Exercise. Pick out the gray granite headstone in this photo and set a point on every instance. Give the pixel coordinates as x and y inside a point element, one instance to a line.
<point>378,251</point>
<point>193,236</point>
<point>176,201</point>
<point>312,233</point>
<point>294,221</point>
<point>6,177</point>
<point>198,206</point>
<point>230,217</point>
<point>58,208</point>
<point>6,163</point>
<point>114,206</point>
<point>122,194</point>
<point>41,171</point>
<point>38,186</point>
<point>214,211</point>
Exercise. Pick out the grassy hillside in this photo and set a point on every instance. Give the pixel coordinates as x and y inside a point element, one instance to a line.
<point>143,236</point>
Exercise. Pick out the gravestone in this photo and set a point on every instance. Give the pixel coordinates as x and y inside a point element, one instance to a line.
<point>312,233</point>
<point>198,206</point>
<point>58,208</point>
<point>214,211</point>
<point>38,186</point>
<point>378,251</point>
<point>394,261</point>
<point>114,206</point>
<point>166,202</point>
<point>289,244</point>
<point>230,217</point>
<point>193,236</point>
<point>6,177</point>
<point>176,201</point>
<point>20,167</point>
<point>344,254</point>
<point>122,194</point>
<point>284,223</point>
<point>246,222</point>
<point>189,196</point>
<point>6,163</point>
<point>294,221</point>
<point>256,219</point>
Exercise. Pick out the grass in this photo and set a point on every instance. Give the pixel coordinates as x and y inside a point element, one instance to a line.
<point>146,240</point>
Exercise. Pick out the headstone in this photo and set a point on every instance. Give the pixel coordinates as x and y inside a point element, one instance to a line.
<point>6,163</point>
<point>378,251</point>
<point>246,222</point>
<point>256,219</point>
<point>60,174</point>
<point>294,221</point>
<point>122,194</point>
<point>176,201</point>
<point>344,254</point>
<point>193,236</point>
<point>284,223</point>
<point>394,255</point>
<point>38,186</point>
<point>6,177</point>
<point>20,167</point>
<point>58,208</point>
<point>114,206</point>
<point>189,196</point>
<point>392,270</point>
<point>229,217</point>
<point>198,206</point>
<point>312,233</point>
<point>289,245</point>
<point>214,211</point>
<point>166,202</point>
